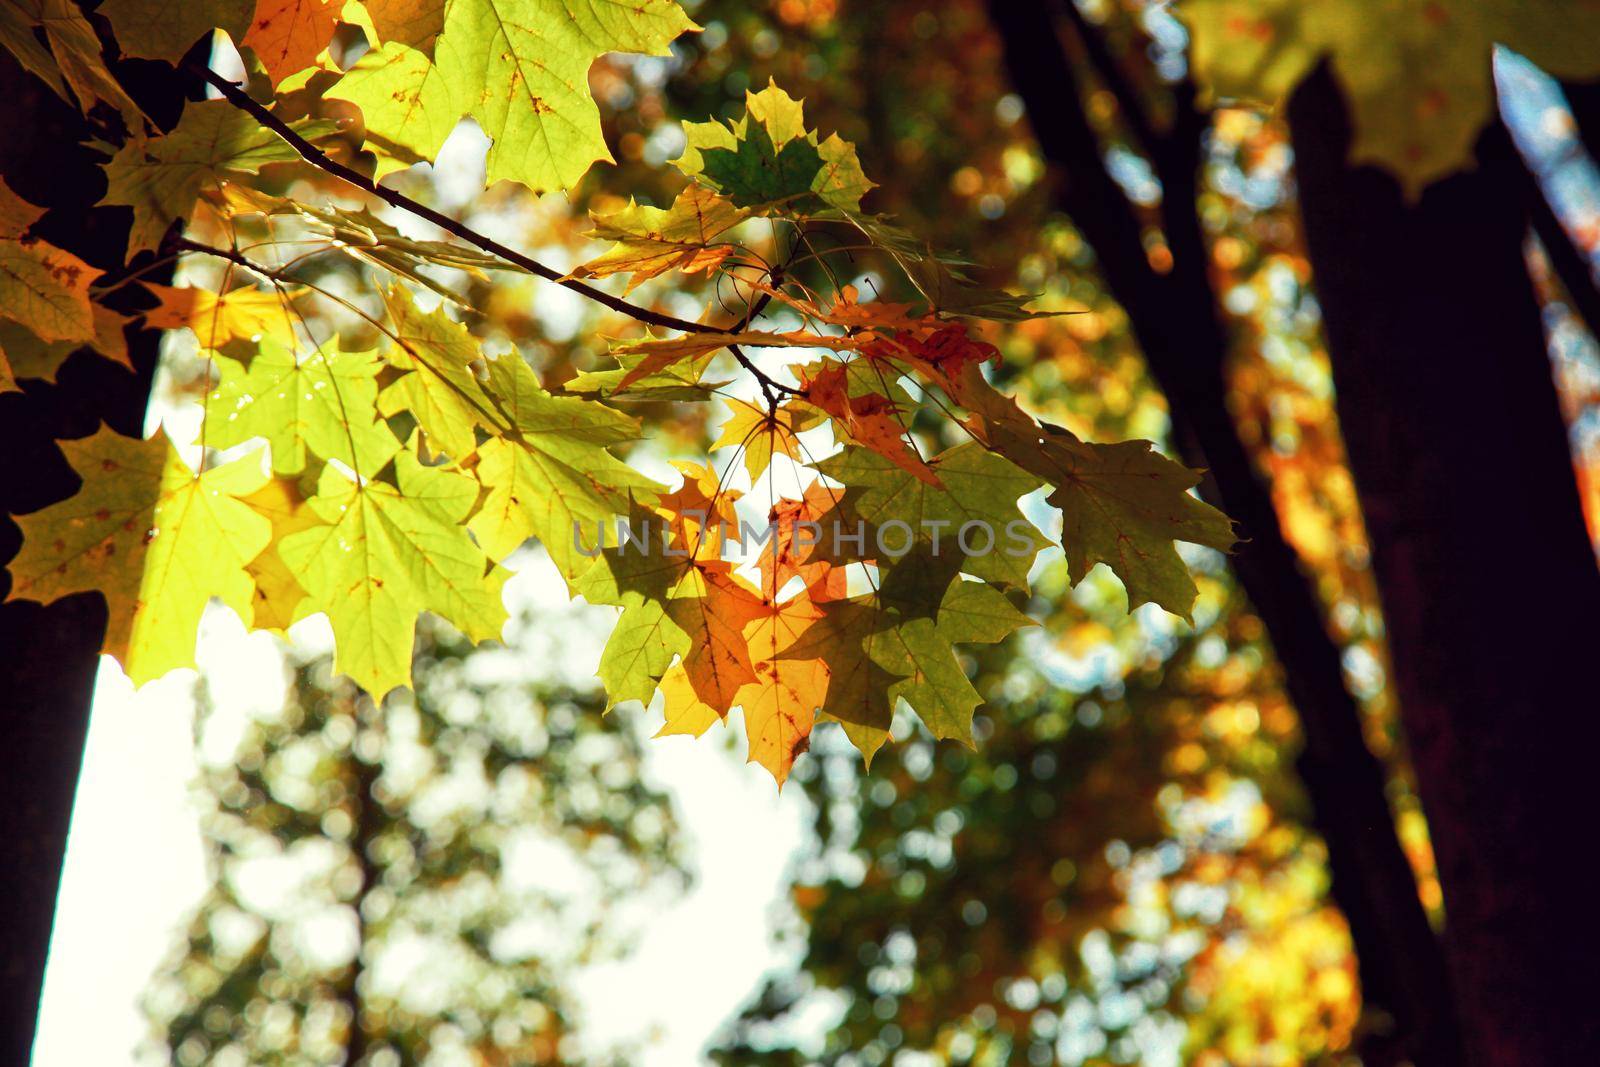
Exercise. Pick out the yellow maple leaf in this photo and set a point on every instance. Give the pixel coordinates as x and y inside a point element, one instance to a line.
<point>155,538</point>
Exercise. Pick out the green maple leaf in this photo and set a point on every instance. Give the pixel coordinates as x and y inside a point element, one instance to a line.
<point>324,401</point>
<point>768,159</point>
<point>162,177</point>
<point>979,487</point>
<point>648,636</point>
<point>1124,504</point>
<point>438,387</point>
<point>157,540</point>
<point>519,67</point>
<point>550,476</point>
<point>33,357</point>
<point>978,613</point>
<point>1417,76</point>
<point>386,554</point>
<point>409,105</point>
<point>363,235</point>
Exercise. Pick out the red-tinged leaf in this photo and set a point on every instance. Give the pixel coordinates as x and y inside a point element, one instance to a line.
<point>870,419</point>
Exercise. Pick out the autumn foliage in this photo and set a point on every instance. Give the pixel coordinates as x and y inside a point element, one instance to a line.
<point>375,480</point>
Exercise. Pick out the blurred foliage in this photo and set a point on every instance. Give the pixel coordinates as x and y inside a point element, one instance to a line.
<point>1120,871</point>
<point>414,883</point>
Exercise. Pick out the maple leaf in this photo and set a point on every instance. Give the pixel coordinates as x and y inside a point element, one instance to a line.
<point>156,539</point>
<point>364,236</point>
<point>646,639</point>
<point>761,433</point>
<point>674,589</point>
<point>949,291</point>
<point>386,553</point>
<point>278,594</point>
<point>898,644</point>
<point>161,29</point>
<point>1122,504</point>
<point>413,23</point>
<point>779,705</point>
<point>17,37</point>
<point>867,416</point>
<point>17,216</point>
<point>519,67</point>
<point>409,105</point>
<point>42,287</point>
<point>682,380</point>
<point>324,402</point>
<point>287,35</point>
<point>78,61</point>
<point>714,612</point>
<point>162,177</point>
<point>857,694</point>
<point>1417,76</point>
<point>767,159</point>
<point>438,387</point>
<point>650,241</point>
<point>30,356</point>
<point>656,354</point>
<point>788,554</point>
<point>974,505</point>
<point>551,476</point>
<point>219,320</point>
<point>685,712</point>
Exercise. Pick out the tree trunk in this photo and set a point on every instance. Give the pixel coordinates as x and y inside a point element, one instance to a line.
<point>49,654</point>
<point>1487,576</point>
<point>1175,320</point>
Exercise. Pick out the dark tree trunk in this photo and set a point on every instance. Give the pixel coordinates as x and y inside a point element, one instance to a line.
<point>1489,585</point>
<point>49,654</point>
<point>1175,320</point>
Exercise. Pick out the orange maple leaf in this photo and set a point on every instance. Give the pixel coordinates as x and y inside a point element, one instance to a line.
<point>869,420</point>
<point>287,35</point>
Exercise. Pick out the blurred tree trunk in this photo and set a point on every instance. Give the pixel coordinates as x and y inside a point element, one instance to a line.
<point>49,655</point>
<point>1489,585</point>
<point>1175,318</point>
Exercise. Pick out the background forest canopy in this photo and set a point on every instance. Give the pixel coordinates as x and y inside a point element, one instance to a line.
<point>445,288</point>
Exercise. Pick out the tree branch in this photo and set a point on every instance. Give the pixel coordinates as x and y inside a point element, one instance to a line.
<point>322,161</point>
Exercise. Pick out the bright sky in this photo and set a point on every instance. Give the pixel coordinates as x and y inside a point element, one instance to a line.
<point>135,863</point>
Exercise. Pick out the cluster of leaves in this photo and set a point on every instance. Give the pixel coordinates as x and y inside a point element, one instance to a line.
<point>398,475</point>
<point>389,831</point>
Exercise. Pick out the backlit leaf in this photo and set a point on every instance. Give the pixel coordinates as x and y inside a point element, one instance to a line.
<point>156,539</point>
<point>385,554</point>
